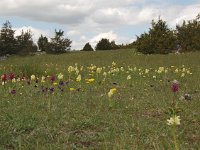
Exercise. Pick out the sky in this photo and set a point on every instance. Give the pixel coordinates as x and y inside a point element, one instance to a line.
<point>90,20</point>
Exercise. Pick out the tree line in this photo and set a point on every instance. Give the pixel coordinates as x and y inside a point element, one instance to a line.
<point>160,39</point>
<point>23,44</point>
<point>9,44</point>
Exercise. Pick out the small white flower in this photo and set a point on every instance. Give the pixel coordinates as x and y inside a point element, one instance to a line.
<point>183,75</point>
<point>70,69</point>
<point>32,77</point>
<point>146,71</point>
<point>113,63</point>
<point>175,120</point>
<point>60,76</point>
<point>104,74</point>
<point>182,98</point>
<point>43,79</point>
<point>128,77</point>
<point>99,70</point>
<point>183,70</point>
<point>78,79</point>
<point>176,71</point>
<point>13,80</point>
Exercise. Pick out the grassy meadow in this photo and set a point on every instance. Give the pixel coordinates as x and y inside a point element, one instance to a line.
<point>62,102</point>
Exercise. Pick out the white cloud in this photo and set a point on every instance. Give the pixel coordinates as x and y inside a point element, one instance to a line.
<point>66,12</point>
<point>108,35</point>
<point>97,18</point>
<point>98,14</point>
<point>187,13</point>
<point>36,32</point>
<point>108,16</point>
<point>83,38</point>
<point>73,33</point>
<point>78,44</point>
<point>147,14</point>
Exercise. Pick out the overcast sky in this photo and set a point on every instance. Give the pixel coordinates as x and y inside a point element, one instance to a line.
<point>90,20</point>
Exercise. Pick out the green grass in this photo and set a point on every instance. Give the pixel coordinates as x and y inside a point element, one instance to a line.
<point>83,119</point>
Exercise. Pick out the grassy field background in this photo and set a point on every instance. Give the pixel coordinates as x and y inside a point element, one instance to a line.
<point>128,57</point>
<point>82,118</point>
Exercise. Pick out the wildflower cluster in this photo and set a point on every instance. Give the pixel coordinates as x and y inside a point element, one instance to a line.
<point>55,80</point>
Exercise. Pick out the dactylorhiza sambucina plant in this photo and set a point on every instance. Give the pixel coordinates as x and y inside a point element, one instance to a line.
<point>175,88</point>
<point>110,95</point>
<point>174,120</point>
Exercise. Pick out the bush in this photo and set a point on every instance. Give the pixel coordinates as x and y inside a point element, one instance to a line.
<point>159,40</point>
<point>105,44</point>
<point>25,43</point>
<point>88,47</point>
<point>43,43</point>
<point>188,35</point>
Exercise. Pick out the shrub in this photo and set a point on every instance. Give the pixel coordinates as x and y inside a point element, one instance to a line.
<point>105,44</point>
<point>88,47</point>
<point>25,44</point>
<point>43,43</point>
<point>188,35</point>
<point>159,40</point>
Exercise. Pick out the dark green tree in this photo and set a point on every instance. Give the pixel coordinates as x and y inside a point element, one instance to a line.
<point>114,45</point>
<point>25,44</point>
<point>188,35</point>
<point>43,43</point>
<point>144,44</point>
<point>59,44</point>
<point>88,47</point>
<point>7,39</point>
<point>103,44</point>
<point>159,40</point>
